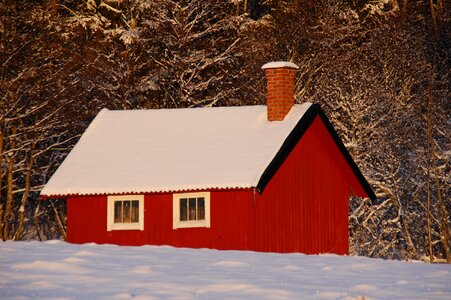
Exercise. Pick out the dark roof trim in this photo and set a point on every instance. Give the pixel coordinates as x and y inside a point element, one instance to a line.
<point>294,137</point>
<point>288,145</point>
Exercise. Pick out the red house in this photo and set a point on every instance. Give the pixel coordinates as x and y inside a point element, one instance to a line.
<point>266,178</point>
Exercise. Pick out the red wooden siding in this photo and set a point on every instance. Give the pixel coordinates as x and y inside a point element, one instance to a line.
<point>86,222</point>
<point>304,208</point>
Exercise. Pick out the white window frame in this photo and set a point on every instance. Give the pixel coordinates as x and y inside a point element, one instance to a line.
<point>193,223</point>
<point>125,226</point>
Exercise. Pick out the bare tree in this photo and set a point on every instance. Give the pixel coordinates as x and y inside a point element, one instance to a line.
<point>182,53</point>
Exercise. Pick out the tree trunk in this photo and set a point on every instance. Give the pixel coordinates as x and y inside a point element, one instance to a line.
<point>9,193</point>
<point>394,200</point>
<point>36,221</point>
<point>1,180</point>
<point>440,6</point>
<point>25,196</point>
<point>445,236</point>
<point>428,214</point>
<point>444,228</point>
<point>58,219</point>
<point>428,179</point>
<point>433,16</point>
<point>54,5</point>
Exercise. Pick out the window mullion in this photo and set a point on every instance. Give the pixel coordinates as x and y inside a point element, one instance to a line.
<point>130,212</point>
<point>122,211</point>
<point>197,217</point>
<point>187,209</point>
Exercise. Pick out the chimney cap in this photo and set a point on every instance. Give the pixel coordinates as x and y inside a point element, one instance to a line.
<point>280,64</point>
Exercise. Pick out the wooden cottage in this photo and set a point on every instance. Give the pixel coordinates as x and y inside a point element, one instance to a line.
<point>266,178</point>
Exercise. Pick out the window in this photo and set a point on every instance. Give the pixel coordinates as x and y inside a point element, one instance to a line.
<point>191,210</point>
<point>125,212</point>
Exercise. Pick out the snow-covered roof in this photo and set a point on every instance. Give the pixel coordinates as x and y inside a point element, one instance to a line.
<point>138,151</point>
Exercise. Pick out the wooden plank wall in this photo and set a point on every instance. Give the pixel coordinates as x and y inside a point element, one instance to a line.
<point>304,208</point>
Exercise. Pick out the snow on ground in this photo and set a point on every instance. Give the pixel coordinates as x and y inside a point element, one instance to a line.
<point>58,270</point>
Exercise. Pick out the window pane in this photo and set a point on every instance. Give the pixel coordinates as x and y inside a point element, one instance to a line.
<point>126,212</point>
<point>117,211</point>
<point>135,211</point>
<point>183,209</point>
<point>201,208</point>
<point>192,209</point>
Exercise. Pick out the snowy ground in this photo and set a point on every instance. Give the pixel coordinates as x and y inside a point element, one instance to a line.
<point>58,270</point>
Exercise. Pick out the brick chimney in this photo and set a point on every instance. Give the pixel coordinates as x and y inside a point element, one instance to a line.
<point>280,76</point>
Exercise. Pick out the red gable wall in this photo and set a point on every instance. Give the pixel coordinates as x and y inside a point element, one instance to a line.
<point>305,204</point>
<point>304,208</point>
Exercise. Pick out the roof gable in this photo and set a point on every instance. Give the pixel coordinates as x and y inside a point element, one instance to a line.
<point>173,150</point>
<point>294,137</point>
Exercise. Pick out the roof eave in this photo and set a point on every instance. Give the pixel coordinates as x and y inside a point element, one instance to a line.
<point>59,196</point>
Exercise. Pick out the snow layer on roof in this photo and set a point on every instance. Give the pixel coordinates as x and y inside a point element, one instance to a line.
<point>136,151</point>
<point>280,64</point>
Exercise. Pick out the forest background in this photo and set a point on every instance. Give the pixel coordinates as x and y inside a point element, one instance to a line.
<point>380,70</point>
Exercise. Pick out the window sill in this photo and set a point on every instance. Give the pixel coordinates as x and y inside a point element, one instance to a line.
<point>191,224</point>
<point>131,226</point>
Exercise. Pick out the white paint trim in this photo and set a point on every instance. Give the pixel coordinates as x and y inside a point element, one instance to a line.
<point>176,223</point>
<point>124,226</point>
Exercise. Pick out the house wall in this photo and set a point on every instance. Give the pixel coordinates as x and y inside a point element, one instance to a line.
<point>87,222</point>
<point>304,208</point>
